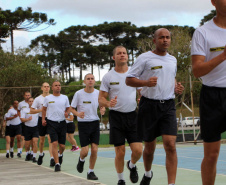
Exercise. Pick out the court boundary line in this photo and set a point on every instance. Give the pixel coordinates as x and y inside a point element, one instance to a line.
<point>99,183</point>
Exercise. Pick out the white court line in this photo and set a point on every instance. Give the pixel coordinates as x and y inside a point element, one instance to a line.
<point>61,172</point>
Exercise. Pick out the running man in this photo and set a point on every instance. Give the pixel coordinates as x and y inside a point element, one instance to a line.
<point>6,124</point>
<point>70,132</point>
<point>22,105</point>
<point>155,71</point>
<point>37,108</point>
<point>122,114</point>
<point>86,102</point>
<point>56,109</point>
<point>209,62</point>
<point>31,131</point>
<point>15,128</point>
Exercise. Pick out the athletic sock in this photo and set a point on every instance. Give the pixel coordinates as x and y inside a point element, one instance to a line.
<point>51,158</point>
<point>18,150</point>
<point>172,184</point>
<point>41,154</point>
<point>120,176</point>
<point>90,170</point>
<point>34,154</point>
<point>7,151</point>
<point>27,153</point>
<point>11,149</point>
<point>31,152</point>
<point>60,155</point>
<point>83,160</point>
<point>148,174</point>
<point>131,165</point>
<point>58,164</point>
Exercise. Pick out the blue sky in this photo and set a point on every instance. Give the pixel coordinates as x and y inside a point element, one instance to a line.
<point>92,12</point>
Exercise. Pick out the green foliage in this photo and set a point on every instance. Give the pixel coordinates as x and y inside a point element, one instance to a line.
<point>208,17</point>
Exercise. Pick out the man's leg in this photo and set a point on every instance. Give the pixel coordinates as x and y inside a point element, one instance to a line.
<point>41,143</point>
<point>27,149</point>
<point>93,156</point>
<point>81,160</point>
<point>18,138</point>
<point>209,163</point>
<point>22,143</point>
<point>35,148</point>
<point>55,151</point>
<point>119,158</point>
<point>7,138</point>
<point>169,143</point>
<point>148,154</point>
<point>136,149</point>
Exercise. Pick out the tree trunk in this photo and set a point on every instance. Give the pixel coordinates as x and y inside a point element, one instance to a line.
<point>80,78</point>
<point>12,46</point>
<point>92,68</point>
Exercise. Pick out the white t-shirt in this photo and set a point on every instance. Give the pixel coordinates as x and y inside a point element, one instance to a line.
<point>56,107</point>
<point>7,122</point>
<point>23,105</point>
<point>11,113</point>
<point>26,114</point>
<point>207,41</point>
<point>87,103</point>
<point>149,65</point>
<point>69,117</point>
<point>114,83</point>
<point>38,103</point>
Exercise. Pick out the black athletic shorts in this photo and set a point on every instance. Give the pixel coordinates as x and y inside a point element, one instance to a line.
<point>156,118</point>
<point>123,126</point>
<point>7,131</point>
<point>89,132</point>
<point>57,131</point>
<point>70,128</point>
<point>31,132</point>
<point>41,129</point>
<point>15,130</point>
<point>212,113</point>
<point>23,129</point>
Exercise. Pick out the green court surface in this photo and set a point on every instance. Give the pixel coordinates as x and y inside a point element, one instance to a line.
<point>188,173</point>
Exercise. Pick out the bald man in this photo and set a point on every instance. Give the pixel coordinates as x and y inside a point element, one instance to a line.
<point>155,72</point>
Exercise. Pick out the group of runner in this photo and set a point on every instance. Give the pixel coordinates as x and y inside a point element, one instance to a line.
<point>152,77</point>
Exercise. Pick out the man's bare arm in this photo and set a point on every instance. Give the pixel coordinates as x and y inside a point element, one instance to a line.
<point>135,82</point>
<point>44,116</point>
<point>103,102</point>
<point>35,111</point>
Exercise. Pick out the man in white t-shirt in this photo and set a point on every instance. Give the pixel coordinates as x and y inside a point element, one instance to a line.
<point>22,105</point>
<point>13,116</point>
<point>209,63</point>
<point>37,108</point>
<point>122,114</point>
<point>155,72</point>
<point>6,124</point>
<point>56,109</point>
<point>31,131</point>
<point>86,102</point>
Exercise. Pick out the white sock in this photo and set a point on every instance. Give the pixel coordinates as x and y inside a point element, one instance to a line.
<point>172,184</point>
<point>11,149</point>
<point>34,154</point>
<point>27,153</point>
<point>131,165</point>
<point>90,170</point>
<point>83,160</point>
<point>120,176</point>
<point>31,152</point>
<point>58,164</point>
<point>148,174</point>
<point>51,157</point>
<point>7,151</point>
<point>41,154</point>
<point>18,150</point>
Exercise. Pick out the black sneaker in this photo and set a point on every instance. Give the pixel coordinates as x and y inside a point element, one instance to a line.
<point>80,165</point>
<point>146,180</point>
<point>18,155</point>
<point>121,182</point>
<point>27,158</point>
<point>7,155</point>
<point>34,160</point>
<point>40,159</point>
<point>52,162</point>
<point>61,159</point>
<point>92,176</point>
<point>31,157</point>
<point>57,168</point>
<point>133,173</point>
<point>11,154</point>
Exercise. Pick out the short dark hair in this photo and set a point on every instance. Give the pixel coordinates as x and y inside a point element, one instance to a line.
<point>114,50</point>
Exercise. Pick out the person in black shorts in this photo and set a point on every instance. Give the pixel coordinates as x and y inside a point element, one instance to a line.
<point>37,108</point>
<point>86,102</point>
<point>6,124</point>
<point>15,128</point>
<point>31,131</point>
<point>70,133</point>
<point>56,109</point>
<point>122,114</point>
<point>209,63</point>
<point>155,72</point>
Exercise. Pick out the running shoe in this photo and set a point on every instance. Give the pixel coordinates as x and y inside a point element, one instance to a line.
<point>80,165</point>
<point>121,182</point>
<point>57,168</point>
<point>34,160</point>
<point>18,155</point>
<point>146,180</point>
<point>52,162</point>
<point>92,176</point>
<point>40,159</point>
<point>133,173</point>
<point>61,159</point>
<point>27,158</point>
<point>7,155</point>
<point>11,154</point>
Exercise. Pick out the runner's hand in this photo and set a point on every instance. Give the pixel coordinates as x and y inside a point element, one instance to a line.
<point>81,114</point>
<point>113,102</point>
<point>152,82</point>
